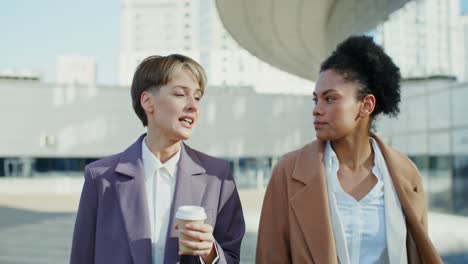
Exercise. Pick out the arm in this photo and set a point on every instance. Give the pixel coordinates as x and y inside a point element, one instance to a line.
<point>85,226</point>
<point>424,213</point>
<point>423,203</point>
<point>220,244</point>
<point>273,233</point>
<point>230,226</point>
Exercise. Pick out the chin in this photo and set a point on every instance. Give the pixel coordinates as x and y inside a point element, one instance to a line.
<point>321,136</point>
<point>324,137</point>
<point>184,136</point>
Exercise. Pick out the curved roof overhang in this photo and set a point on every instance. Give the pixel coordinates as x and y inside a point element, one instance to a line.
<point>296,35</point>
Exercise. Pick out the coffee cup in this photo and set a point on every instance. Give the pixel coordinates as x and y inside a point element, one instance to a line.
<point>188,215</point>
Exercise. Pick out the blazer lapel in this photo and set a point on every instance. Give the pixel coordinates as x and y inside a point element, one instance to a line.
<point>310,204</point>
<point>190,189</point>
<point>130,188</point>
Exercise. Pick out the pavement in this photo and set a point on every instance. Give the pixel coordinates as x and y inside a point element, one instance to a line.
<point>37,217</point>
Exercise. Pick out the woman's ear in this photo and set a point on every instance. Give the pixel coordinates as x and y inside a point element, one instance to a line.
<point>146,101</point>
<point>367,106</point>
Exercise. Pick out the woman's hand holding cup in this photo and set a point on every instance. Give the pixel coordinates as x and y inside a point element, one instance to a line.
<point>195,236</point>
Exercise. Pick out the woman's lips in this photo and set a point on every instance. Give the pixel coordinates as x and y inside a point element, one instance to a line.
<point>319,124</point>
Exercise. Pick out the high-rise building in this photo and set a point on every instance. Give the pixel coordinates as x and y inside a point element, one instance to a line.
<point>76,69</point>
<point>193,28</point>
<point>160,27</point>
<point>425,38</point>
<point>223,59</point>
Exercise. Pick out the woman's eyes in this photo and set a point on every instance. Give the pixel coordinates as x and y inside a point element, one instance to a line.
<point>198,98</point>
<point>328,99</point>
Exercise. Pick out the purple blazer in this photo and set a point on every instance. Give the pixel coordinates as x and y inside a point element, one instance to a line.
<point>112,224</point>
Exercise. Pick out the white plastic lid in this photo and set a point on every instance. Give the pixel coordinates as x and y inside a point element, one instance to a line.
<point>189,212</point>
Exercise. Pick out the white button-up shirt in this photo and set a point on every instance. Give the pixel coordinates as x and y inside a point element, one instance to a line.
<point>160,184</point>
<point>363,222</point>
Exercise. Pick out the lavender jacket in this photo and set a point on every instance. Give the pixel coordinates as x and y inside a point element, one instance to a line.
<point>112,224</point>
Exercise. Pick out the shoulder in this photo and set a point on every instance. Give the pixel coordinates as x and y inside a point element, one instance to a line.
<point>102,166</point>
<point>309,151</point>
<point>400,157</point>
<point>209,163</point>
<point>287,164</point>
<point>108,164</point>
<point>401,164</point>
<point>405,162</point>
<point>288,160</point>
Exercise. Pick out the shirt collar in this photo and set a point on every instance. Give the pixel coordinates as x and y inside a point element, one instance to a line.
<point>377,169</point>
<point>330,156</point>
<point>331,160</point>
<point>151,163</point>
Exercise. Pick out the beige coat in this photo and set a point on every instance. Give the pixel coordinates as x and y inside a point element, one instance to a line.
<point>295,225</point>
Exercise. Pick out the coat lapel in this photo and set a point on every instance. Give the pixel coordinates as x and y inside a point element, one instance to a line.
<point>310,204</point>
<point>190,189</point>
<point>402,174</point>
<point>394,220</point>
<point>407,186</point>
<point>130,189</point>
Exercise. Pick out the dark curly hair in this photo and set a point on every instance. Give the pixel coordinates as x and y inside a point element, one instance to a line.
<point>359,59</point>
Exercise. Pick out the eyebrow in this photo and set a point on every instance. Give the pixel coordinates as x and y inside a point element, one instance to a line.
<point>326,92</point>
<point>187,88</point>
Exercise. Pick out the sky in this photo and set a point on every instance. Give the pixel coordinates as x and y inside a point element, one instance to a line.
<point>34,32</point>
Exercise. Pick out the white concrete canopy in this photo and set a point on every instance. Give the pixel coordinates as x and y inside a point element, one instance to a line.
<point>296,35</point>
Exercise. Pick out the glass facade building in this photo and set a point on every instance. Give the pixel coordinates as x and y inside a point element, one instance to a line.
<point>432,129</point>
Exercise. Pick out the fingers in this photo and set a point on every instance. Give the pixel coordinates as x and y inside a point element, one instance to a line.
<point>195,253</point>
<point>204,228</point>
<point>197,248</point>
<point>197,236</point>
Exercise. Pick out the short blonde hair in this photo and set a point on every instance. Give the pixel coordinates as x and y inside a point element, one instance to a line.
<point>156,71</point>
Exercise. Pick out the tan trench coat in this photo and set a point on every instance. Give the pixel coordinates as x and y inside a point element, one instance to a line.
<point>295,225</point>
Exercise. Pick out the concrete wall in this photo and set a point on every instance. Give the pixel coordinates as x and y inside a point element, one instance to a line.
<point>48,120</point>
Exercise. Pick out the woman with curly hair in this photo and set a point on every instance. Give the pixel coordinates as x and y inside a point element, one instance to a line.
<point>347,197</point>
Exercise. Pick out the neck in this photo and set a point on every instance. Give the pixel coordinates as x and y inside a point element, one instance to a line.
<point>161,147</point>
<point>353,151</point>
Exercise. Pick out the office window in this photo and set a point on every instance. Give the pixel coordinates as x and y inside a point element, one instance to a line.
<point>460,185</point>
<point>439,190</point>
